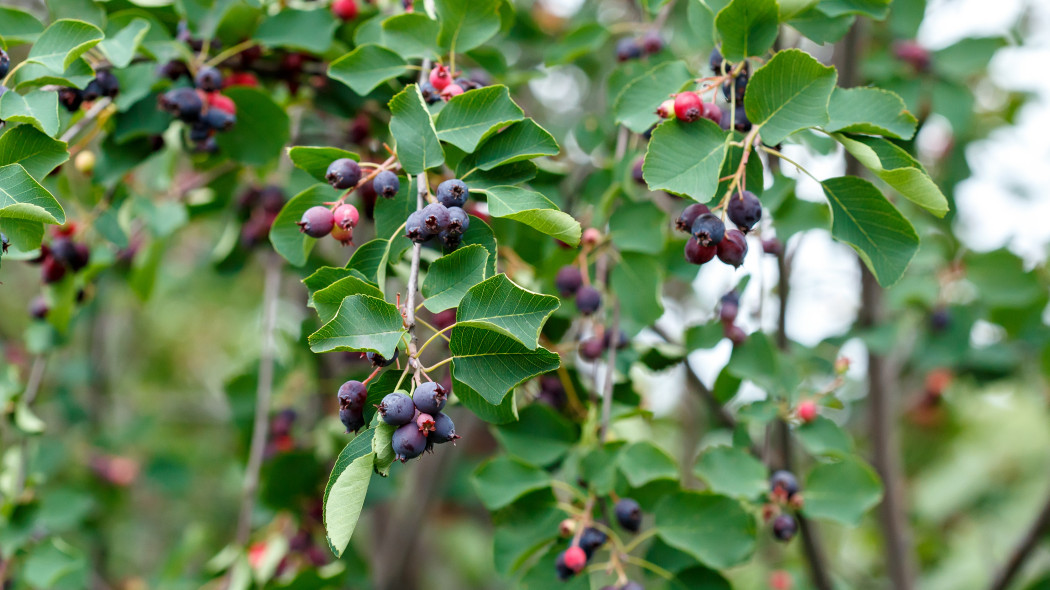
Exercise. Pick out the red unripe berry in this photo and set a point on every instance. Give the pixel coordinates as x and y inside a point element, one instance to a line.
<point>735,334</point>
<point>345,9</point>
<point>451,90</point>
<point>688,107</point>
<point>240,79</point>
<point>575,558</point>
<point>346,216</point>
<point>807,410</point>
<point>666,109</point>
<point>222,103</point>
<point>780,580</point>
<point>440,77</point>
<point>592,236</point>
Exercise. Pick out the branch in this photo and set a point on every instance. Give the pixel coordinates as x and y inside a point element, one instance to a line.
<point>610,374</point>
<point>1023,550</point>
<point>88,117</point>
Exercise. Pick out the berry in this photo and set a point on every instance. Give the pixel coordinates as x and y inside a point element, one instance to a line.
<point>708,229</point>
<point>733,248</point>
<point>697,254</point>
<point>184,103</point>
<point>85,162</point>
<point>632,585</point>
<point>588,300</point>
<point>452,193</point>
<point>92,91</point>
<point>435,217</point>
<point>716,61</point>
<point>666,109</point>
<point>346,216</point>
<point>784,527</point>
<point>408,442</point>
<point>396,409</point>
<point>621,339</point>
<point>780,580</point>
<point>940,320</point>
<point>38,307</point>
<point>52,270</point>
<point>688,106</point>
<point>317,222</point>
<point>440,77</point>
<point>222,102</point>
<point>745,210</point>
<point>451,90</point>
<point>379,360</point>
<point>742,124</point>
<point>688,217</point>
<point>218,120</point>
<point>71,98</point>
<point>416,229</point>
<point>430,94</point>
<point>629,515</point>
<point>592,348</point>
<point>913,54</point>
<point>173,70</point>
<point>807,410</point>
<point>652,42</point>
<point>430,397</point>
<point>627,49</point>
<point>450,240</point>
<point>345,9</point>
<point>739,85</point>
<point>592,540</point>
<point>575,558</point>
<point>386,184</point>
<point>108,84</point>
<point>4,244</point>
<point>444,430</point>
<point>343,173</point>
<point>5,63</point>
<point>352,419</point>
<point>784,483</point>
<point>564,571</point>
<point>200,131</point>
<point>271,199</point>
<point>734,333</point>
<point>712,112</point>
<point>353,395</point>
<point>568,280</point>
<point>591,237</point>
<point>208,79</point>
<point>425,423</point>
<point>636,171</point>
<point>458,220</point>
<point>772,246</point>
<point>730,307</point>
<point>567,528</point>
<point>241,79</point>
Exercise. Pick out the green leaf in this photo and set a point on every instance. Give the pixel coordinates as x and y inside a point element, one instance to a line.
<point>534,210</point>
<point>39,109</point>
<point>366,259</point>
<point>285,236</point>
<point>842,491</point>
<point>120,47</point>
<point>412,35</point>
<point>789,8</point>
<point>497,303</point>
<point>898,169</point>
<point>450,276</point>
<point>465,24</point>
<point>789,93</point>
<point>25,235</point>
<point>523,140</point>
<point>36,152</point>
<point>500,481</point>
<point>748,28</point>
<point>382,447</point>
<point>418,147</point>
<point>32,75</point>
<point>540,437</point>
<point>345,494</point>
<point>733,472</point>
<point>366,67</point>
<point>315,160</point>
<point>824,437</point>
<point>328,299</point>
<point>821,28</point>
<point>492,363</point>
<point>876,9</point>
<point>870,110</point>
<point>63,42</point>
<point>471,117</point>
<point>644,462</point>
<point>18,27</point>
<point>362,324</point>
<point>598,467</point>
<point>22,197</point>
<point>262,128</point>
<point>638,227</point>
<point>480,233</point>
<point>635,107</point>
<point>583,40</point>
<point>637,280</point>
<point>685,158</point>
<point>306,30</point>
<point>864,219</point>
<point>505,412</point>
<point>714,529</point>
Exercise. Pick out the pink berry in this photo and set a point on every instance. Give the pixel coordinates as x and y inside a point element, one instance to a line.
<point>575,558</point>
<point>592,236</point>
<point>711,112</point>
<point>688,106</point>
<point>346,216</point>
<point>440,78</point>
<point>451,90</point>
<point>345,9</point>
<point>807,410</point>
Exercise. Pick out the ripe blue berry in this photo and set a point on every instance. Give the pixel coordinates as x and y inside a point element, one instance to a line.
<point>688,217</point>
<point>627,49</point>
<point>92,91</point>
<point>563,571</point>
<point>219,120</point>
<point>4,243</point>
<point>435,217</point>
<point>715,61</point>
<point>588,300</point>
<point>430,397</point>
<point>452,193</point>
<point>591,540</point>
<point>5,63</point>
<point>450,240</point>
<point>784,527</point>
<point>629,515</point>
<point>408,442</point>
<point>71,98</point>
<point>783,482</point>
<point>708,229</point>
<point>108,84</point>
<point>317,222</point>
<point>208,79</point>
<point>739,84</point>
<point>444,430</point>
<point>458,220</point>
<point>379,360</point>
<point>416,228</point>
<point>386,184</point>
<point>730,307</point>
<point>632,585</point>
<point>396,409</point>
<point>568,280</point>
<point>352,395</point>
<point>742,124</point>
<point>343,173</point>
<point>733,248</point>
<point>184,103</point>
<point>352,419</point>
<point>745,210</point>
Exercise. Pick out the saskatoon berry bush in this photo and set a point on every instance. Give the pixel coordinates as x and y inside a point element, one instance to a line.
<point>488,294</point>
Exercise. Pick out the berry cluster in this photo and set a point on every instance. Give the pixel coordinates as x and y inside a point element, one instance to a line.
<point>586,542</point>
<point>571,282</point>
<point>444,219</point>
<point>783,494</point>
<point>62,256</point>
<point>104,84</point>
<point>443,84</point>
<point>204,109</point>
<point>710,236</point>
<point>340,218</point>
<point>635,48</point>
<point>419,420</point>
<point>689,106</point>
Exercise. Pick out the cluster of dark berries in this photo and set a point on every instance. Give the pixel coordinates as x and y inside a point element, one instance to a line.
<point>727,314</point>
<point>444,219</point>
<point>572,561</point>
<point>552,391</point>
<point>443,84</point>
<point>634,48</point>
<point>733,90</point>
<point>104,84</point>
<point>203,108</point>
<point>592,348</point>
<point>258,208</point>
<point>570,283</point>
<point>710,237</point>
<point>419,420</point>
<point>62,255</point>
<point>783,492</point>
<point>344,10</point>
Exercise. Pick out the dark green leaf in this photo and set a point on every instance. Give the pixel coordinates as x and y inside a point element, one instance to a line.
<point>636,105</point>
<point>644,462</point>
<point>36,152</point>
<point>870,110</point>
<point>824,437</point>
<point>789,93</point>
<point>328,299</point>
<point>898,169</point>
<point>497,303</point>
<point>412,35</point>
<point>733,472</point>
<point>714,529</point>
<point>262,128</point>
<point>540,437</point>
<point>366,67</point>
<point>470,118</point>
<point>418,147</point>
<point>449,277</point>
<point>63,42</point>
<point>17,26</point>
<point>38,108</point>
<point>748,28</point>
<point>685,158</point>
<point>465,24</point>
<point>285,236</point>
<point>500,481</point>
<point>306,30</point>
<point>120,46</point>
<point>842,491</point>
<point>523,140</point>
<point>362,324</point>
<point>492,363</point>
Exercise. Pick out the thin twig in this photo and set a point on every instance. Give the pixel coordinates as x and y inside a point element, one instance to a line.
<point>88,117</point>
<point>1005,576</point>
<point>610,375</point>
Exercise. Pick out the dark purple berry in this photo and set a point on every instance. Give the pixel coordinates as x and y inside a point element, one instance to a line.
<point>772,246</point>
<point>563,571</point>
<point>271,199</point>
<point>352,419</point>
<point>4,243</point>
<point>208,79</point>
<point>38,307</point>
<point>730,307</point>
<point>627,49</point>
<point>184,103</point>
<point>379,360</point>
<point>71,98</point>
<point>688,217</point>
<point>741,124</point>
<point>940,320</point>
<point>5,63</point>
<point>219,120</point>
<point>450,240</point>
<point>591,540</point>
<point>739,84</point>
<point>435,217</point>
<point>629,515</point>
<point>568,280</point>
<point>108,83</point>
<point>430,94</point>
<point>317,222</point>
<point>397,409</point>
<point>716,60</point>
<point>632,585</point>
<point>444,430</point>
<point>452,193</point>
<point>200,132</point>
<point>386,184</point>
<point>173,70</point>
<point>458,220</point>
<point>52,270</point>
<point>745,210</point>
<point>734,333</point>
<point>416,229</point>
<point>430,397</point>
<point>733,248</point>
<point>92,91</point>
<point>785,482</point>
<point>408,442</point>
<point>784,527</point>
<point>353,395</point>
<point>591,348</point>
<point>588,300</point>
<point>636,171</point>
<point>708,229</point>
<point>343,173</point>
<point>652,42</point>
<point>621,340</point>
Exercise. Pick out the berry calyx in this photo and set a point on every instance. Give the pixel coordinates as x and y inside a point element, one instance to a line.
<point>345,9</point>
<point>416,228</point>
<point>452,193</point>
<point>430,397</point>
<point>408,442</point>
<point>379,360</point>
<point>575,559</point>
<point>346,216</point>
<point>208,79</point>
<point>697,254</point>
<point>744,210</point>
<point>435,217</point>
<point>784,527</point>
<point>458,221</point>
<point>568,280</point>
<point>807,411</point>
<point>440,77</point>
<point>343,173</point>
<point>588,300</point>
<point>783,484</point>
<point>396,409</point>
<point>317,222</point>
<point>386,184</point>
<point>733,248</point>
<point>450,91</point>
<point>688,106</point>
<point>666,109</point>
<point>425,423</point>
<point>708,229</point>
<point>629,515</point>
<point>688,217</point>
<point>353,395</point>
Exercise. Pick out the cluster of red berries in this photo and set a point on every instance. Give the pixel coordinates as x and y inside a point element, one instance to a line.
<point>586,542</point>
<point>783,495</point>
<point>204,108</point>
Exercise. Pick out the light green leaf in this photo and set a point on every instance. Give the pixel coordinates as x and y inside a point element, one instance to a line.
<point>308,30</point>
<point>876,9</point>
<point>714,529</point>
<point>583,40</point>
<point>418,147</point>
<point>898,169</point>
<point>36,152</point>
<point>824,437</point>
<point>39,109</point>
<point>382,447</point>
<point>685,158</point>
<point>789,93</point>
<point>120,47</point>
<point>643,462</point>
<point>638,227</point>
<point>733,472</point>
<point>635,107</point>
<point>540,437</point>
<point>262,129</point>
<point>864,219</point>
<point>637,280</point>
<point>465,24</point>
<point>492,363</point>
<point>18,27</point>
<point>500,481</point>
<point>821,28</point>
<point>412,35</point>
<point>789,8</point>
<point>450,276</point>
<point>500,304</point>
<point>63,42</point>
<point>285,236</point>
<point>366,67</point>
<point>534,210</point>
<point>748,28</point>
<point>842,491</point>
<point>326,276</point>
<point>471,117</point>
<point>33,75</point>
<point>345,494</point>
<point>523,140</point>
<point>315,160</point>
<point>22,197</point>
<point>327,300</point>
<point>504,412</point>
<point>362,324</point>
<point>870,110</point>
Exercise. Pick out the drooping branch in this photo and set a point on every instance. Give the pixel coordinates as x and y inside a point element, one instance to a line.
<point>1009,570</point>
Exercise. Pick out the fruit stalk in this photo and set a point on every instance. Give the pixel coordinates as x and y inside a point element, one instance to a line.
<point>99,106</point>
